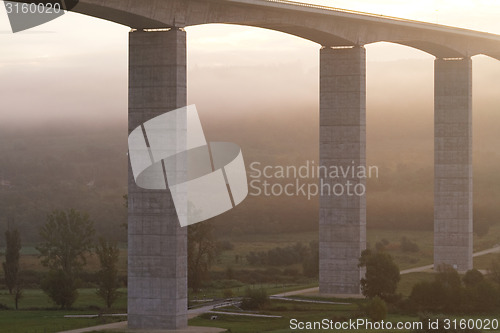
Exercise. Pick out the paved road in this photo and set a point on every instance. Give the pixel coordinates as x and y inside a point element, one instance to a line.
<point>210,308</point>
<point>417,269</point>
<point>495,249</point>
<point>113,326</point>
<point>492,250</point>
<point>243,314</point>
<point>298,292</point>
<point>306,300</point>
<point>207,308</point>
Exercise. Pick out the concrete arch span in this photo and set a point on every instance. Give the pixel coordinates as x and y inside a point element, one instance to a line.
<point>325,26</point>
<point>328,27</point>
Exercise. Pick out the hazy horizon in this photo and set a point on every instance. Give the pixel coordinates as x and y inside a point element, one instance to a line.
<point>75,68</point>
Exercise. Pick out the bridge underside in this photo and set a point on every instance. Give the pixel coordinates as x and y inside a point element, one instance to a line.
<point>325,27</point>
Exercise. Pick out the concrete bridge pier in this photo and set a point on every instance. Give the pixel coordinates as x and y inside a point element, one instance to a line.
<point>342,225</point>
<point>453,163</point>
<point>157,258</point>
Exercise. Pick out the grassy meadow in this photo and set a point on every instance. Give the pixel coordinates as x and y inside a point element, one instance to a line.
<point>38,314</point>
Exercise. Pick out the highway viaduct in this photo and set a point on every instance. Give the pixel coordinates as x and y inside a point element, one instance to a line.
<point>157,245</point>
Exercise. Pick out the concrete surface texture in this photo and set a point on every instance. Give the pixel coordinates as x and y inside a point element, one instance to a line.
<point>323,25</point>
<point>342,225</point>
<point>157,245</point>
<point>453,163</point>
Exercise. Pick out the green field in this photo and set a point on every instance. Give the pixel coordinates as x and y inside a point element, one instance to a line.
<point>256,325</point>
<point>425,240</point>
<point>245,244</point>
<point>484,262</point>
<point>270,288</point>
<point>240,324</point>
<point>46,321</point>
<point>409,280</point>
<point>288,310</point>
<point>36,299</point>
<point>37,313</point>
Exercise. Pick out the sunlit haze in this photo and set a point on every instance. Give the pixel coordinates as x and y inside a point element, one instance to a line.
<point>74,69</point>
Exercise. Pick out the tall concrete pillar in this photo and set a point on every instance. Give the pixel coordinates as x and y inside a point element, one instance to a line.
<point>342,225</point>
<point>453,163</point>
<point>157,245</point>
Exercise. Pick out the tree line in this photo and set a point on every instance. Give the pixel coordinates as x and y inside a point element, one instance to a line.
<point>67,239</point>
<point>447,293</point>
<point>298,253</point>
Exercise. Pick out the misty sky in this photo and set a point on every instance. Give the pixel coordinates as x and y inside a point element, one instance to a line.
<point>75,68</point>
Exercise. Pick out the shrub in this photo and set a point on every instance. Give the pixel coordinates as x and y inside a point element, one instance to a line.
<point>382,275</point>
<point>376,309</point>
<point>224,246</point>
<point>108,254</point>
<point>228,293</point>
<point>446,294</point>
<point>480,298</point>
<point>279,256</point>
<point>381,246</point>
<point>255,299</point>
<point>310,265</point>
<point>409,246</point>
<point>61,288</point>
<point>472,278</point>
<point>494,270</point>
